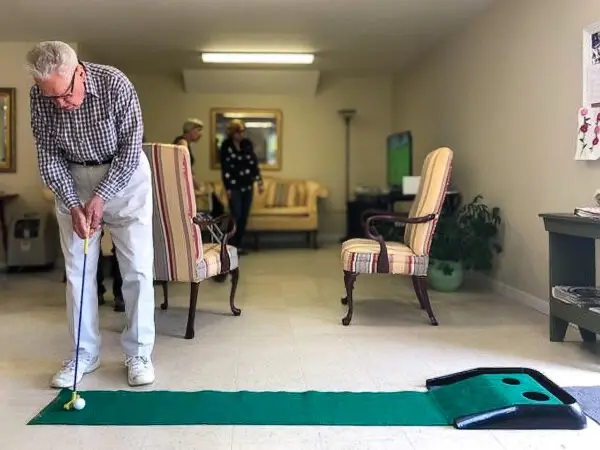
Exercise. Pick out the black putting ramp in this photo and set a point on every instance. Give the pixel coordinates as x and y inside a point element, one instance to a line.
<point>506,398</point>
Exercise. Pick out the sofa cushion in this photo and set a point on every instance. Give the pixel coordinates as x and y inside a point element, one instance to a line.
<point>281,211</point>
<point>210,265</point>
<point>282,194</point>
<point>361,255</point>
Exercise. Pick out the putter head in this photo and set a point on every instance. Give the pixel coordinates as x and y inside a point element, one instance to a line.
<point>69,405</point>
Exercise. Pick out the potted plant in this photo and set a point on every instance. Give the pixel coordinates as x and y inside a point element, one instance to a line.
<point>466,239</point>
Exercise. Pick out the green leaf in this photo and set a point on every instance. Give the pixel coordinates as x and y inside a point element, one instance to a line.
<point>469,235</point>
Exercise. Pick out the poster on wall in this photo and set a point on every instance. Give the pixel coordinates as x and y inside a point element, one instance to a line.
<point>591,65</point>
<point>588,134</point>
<point>588,116</point>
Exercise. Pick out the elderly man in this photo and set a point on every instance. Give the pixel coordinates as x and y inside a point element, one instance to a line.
<point>87,125</point>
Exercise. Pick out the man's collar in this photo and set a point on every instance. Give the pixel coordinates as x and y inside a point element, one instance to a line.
<point>90,82</point>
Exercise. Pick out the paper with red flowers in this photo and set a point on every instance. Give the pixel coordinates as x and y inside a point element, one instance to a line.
<point>588,134</point>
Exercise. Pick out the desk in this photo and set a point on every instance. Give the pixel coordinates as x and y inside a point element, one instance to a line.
<point>4,199</point>
<point>572,250</point>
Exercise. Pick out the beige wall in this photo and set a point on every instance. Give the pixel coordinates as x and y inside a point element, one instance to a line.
<point>504,94</point>
<point>26,181</point>
<point>313,133</point>
<point>313,143</point>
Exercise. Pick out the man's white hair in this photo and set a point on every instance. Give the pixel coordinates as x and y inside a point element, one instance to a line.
<point>51,57</point>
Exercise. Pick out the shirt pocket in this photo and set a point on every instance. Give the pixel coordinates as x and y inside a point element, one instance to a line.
<point>103,135</point>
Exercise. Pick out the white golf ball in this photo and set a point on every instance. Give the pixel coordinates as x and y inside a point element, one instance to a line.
<point>79,404</point>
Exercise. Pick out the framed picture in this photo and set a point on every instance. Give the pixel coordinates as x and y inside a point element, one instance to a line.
<point>591,65</point>
<point>8,128</point>
<point>263,128</point>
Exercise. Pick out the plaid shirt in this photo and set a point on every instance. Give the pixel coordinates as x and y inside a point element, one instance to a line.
<point>107,125</point>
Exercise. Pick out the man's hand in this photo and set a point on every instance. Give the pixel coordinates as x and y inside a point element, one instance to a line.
<point>261,188</point>
<point>94,210</point>
<point>80,224</point>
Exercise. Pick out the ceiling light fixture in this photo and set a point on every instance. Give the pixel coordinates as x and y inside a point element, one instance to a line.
<point>258,58</point>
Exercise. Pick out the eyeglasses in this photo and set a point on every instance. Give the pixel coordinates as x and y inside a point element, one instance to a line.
<point>69,90</point>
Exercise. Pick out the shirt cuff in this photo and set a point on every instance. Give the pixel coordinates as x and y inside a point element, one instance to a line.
<point>103,192</point>
<point>71,201</point>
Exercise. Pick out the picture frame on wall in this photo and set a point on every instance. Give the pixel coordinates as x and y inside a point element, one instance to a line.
<point>263,129</point>
<point>8,130</point>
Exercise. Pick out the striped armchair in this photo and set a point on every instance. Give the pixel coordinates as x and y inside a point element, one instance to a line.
<point>179,253</point>
<point>374,255</point>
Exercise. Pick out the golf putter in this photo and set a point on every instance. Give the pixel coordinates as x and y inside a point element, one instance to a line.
<point>74,396</point>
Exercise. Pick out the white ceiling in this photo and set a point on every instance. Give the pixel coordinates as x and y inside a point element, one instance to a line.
<point>346,35</point>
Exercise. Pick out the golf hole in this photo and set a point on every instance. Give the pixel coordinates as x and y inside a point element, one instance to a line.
<point>511,381</point>
<point>536,396</point>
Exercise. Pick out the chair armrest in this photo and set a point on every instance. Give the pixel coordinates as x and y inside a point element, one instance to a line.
<point>387,216</point>
<point>204,221</point>
<point>383,262</point>
<point>393,217</point>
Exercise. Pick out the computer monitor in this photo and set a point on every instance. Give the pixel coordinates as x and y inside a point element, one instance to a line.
<point>399,158</point>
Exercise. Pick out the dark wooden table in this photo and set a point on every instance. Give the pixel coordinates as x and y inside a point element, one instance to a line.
<point>4,199</point>
<point>572,251</point>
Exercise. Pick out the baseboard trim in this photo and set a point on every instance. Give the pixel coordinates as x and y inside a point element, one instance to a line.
<point>517,295</point>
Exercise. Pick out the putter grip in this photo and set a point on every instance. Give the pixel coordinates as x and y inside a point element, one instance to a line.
<point>86,244</point>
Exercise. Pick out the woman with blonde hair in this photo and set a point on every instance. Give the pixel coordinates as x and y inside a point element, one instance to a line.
<point>239,172</point>
<point>192,132</point>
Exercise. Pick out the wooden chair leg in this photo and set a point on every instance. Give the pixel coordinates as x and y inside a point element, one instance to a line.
<point>349,280</point>
<point>421,291</point>
<point>235,275</point>
<point>165,287</point>
<point>189,333</point>
<point>416,287</point>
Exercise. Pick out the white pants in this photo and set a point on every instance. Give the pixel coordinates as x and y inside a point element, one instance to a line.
<point>128,216</point>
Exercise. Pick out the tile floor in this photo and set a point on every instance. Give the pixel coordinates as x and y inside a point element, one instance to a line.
<point>289,337</point>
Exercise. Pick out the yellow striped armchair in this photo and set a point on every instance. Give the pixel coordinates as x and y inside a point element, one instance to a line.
<point>179,253</point>
<point>411,258</point>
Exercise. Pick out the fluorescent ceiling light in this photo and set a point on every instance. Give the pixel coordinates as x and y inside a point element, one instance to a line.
<point>258,58</point>
<point>248,115</point>
<point>259,124</point>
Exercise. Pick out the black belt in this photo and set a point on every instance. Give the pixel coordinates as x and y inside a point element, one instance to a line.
<point>91,163</point>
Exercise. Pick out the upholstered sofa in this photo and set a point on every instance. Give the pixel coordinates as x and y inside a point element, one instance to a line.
<point>286,205</point>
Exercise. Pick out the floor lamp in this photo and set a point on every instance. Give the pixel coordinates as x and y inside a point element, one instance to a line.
<point>347,114</point>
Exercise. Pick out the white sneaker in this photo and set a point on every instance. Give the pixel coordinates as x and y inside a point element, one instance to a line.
<point>64,377</point>
<point>140,370</point>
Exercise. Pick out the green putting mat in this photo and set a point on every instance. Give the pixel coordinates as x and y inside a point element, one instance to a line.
<point>432,408</point>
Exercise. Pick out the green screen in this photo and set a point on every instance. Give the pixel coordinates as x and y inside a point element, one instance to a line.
<point>399,157</point>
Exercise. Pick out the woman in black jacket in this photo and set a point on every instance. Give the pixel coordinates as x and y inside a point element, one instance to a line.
<point>239,172</point>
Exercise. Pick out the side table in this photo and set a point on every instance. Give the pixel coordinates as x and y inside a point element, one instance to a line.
<point>572,252</point>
